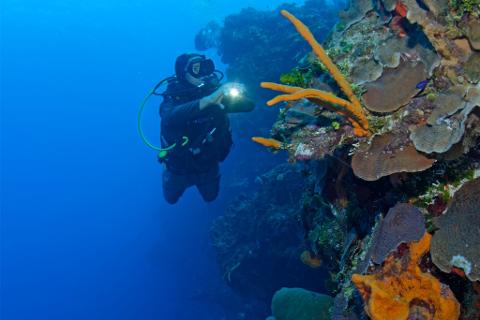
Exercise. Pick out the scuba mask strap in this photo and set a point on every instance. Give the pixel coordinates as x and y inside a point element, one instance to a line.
<point>220,75</point>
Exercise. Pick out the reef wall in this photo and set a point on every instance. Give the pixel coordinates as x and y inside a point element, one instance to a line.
<point>389,204</point>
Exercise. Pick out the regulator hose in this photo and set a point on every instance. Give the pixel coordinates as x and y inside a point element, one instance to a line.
<point>162,152</point>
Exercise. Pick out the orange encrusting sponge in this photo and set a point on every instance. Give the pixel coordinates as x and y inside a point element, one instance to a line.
<point>401,290</point>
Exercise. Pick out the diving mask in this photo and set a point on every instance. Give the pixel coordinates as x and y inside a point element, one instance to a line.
<point>200,67</point>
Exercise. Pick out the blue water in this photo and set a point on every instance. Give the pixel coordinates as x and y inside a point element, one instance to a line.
<point>85,231</point>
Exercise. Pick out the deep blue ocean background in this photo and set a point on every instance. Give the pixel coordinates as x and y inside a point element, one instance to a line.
<point>85,231</point>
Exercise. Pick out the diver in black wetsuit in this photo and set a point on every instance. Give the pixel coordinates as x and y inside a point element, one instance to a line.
<point>194,116</point>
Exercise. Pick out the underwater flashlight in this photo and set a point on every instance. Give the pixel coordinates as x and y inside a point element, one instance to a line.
<point>234,90</point>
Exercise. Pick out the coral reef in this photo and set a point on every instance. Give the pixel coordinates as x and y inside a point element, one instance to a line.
<point>421,89</point>
<point>366,187</point>
<point>300,304</point>
<point>400,290</point>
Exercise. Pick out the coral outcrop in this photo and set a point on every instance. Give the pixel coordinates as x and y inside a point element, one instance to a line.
<point>457,242</point>
<point>300,304</point>
<point>420,88</point>
<point>401,290</point>
<point>446,124</point>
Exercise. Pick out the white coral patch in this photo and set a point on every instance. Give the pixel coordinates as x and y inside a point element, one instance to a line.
<point>303,151</point>
<point>461,262</point>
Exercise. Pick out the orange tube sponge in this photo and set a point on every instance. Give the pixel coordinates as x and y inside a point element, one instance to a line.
<point>319,96</point>
<point>293,93</point>
<point>312,93</point>
<point>400,290</point>
<point>268,142</point>
<point>331,67</point>
<point>280,87</point>
<point>352,109</point>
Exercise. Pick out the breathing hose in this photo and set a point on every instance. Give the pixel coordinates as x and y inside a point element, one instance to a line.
<point>162,152</point>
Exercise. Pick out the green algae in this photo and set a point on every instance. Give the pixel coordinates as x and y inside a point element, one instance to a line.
<point>464,6</point>
<point>295,78</point>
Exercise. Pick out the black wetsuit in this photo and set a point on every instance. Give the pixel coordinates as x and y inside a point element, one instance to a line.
<point>209,141</point>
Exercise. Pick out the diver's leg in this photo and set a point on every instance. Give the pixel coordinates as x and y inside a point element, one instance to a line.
<point>174,186</point>
<point>208,184</point>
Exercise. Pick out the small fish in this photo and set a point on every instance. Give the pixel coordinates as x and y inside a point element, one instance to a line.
<point>422,84</point>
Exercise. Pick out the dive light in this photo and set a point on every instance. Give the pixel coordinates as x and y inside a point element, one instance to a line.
<point>234,90</point>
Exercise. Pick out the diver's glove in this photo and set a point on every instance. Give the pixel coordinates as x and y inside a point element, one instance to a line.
<point>215,99</point>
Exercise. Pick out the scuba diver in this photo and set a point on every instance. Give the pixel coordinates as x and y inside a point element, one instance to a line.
<point>195,128</point>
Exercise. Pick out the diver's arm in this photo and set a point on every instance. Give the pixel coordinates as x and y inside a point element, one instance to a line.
<point>179,113</point>
<point>215,99</point>
<point>191,110</point>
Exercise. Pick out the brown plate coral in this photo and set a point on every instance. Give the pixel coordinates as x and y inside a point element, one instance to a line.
<point>385,156</point>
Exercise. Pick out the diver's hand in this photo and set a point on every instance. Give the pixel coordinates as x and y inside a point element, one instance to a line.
<point>215,99</point>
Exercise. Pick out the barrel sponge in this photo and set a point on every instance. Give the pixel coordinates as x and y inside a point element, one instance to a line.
<point>399,289</point>
<point>402,224</point>
<point>300,304</point>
